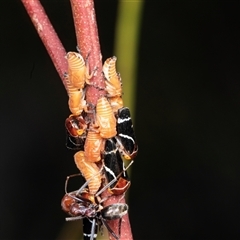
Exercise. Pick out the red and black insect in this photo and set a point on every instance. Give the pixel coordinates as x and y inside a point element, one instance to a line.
<point>82,205</point>
<point>126,140</point>
<point>114,169</point>
<point>75,132</point>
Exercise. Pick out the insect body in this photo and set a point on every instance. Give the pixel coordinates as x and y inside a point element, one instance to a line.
<point>116,103</point>
<point>113,83</point>
<point>76,132</point>
<point>76,125</point>
<point>105,118</point>
<point>78,70</point>
<point>113,79</point>
<point>93,147</point>
<point>114,211</point>
<point>79,207</point>
<point>75,143</point>
<point>90,171</point>
<point>81,204</point>
<point>126,140</point>
<point>76,102</point>
<point>115,169</point>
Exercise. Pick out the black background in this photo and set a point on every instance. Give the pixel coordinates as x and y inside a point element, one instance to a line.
<point>185,180</point>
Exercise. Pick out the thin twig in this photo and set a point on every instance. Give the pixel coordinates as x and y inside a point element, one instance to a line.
<point>48,36</point>
<point>88,43</point>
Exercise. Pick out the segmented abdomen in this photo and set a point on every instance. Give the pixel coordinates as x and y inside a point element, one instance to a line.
<point>89,170</point>
<point>93,146</point>
<point>76,69</point>
<point>105,118</point>
<point>76,102</point>
<point>113,79</point>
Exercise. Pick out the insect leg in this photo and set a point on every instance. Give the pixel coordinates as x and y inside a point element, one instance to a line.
<point>89,229</point>
<point>78,192</point>
<point>73,218</point>
<point>109,229</point>
<point>119,227</point>
<point>93,230</point>
<point>67,179</point>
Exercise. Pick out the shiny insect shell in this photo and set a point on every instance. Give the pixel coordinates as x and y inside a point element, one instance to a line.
<point>75,132</point>
<point>105,118</point>
<point>114,169</point>
<point>76,126</point>
<point>94,145</point>
<point>79,206</point>
<point>90,171</point>
<point>78,70</point>
<point>75,143</point>
<point>113,83</point>
<point>126,141</point>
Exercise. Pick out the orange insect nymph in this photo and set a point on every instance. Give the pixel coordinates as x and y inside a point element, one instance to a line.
<point>105,118</point>
<point>113,79</point>
<point>77,102</point>
<point>78,69</point>
<point>90,171</point>
<point>93,147</point>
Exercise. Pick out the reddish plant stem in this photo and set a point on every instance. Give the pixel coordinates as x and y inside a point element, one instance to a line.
<point>48,36</point>
<point>126,232</point>
<point>88,43</point>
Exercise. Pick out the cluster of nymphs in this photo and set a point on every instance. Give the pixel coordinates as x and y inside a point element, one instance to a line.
<point>101,143</point>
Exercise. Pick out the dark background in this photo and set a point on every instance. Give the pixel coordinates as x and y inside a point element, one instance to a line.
<point>185,180</point>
